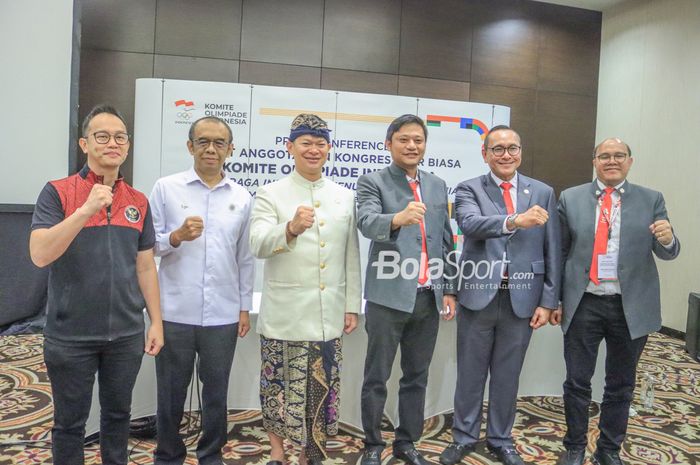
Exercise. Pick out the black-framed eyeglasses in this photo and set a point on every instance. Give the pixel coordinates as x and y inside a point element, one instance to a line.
<point>618,157</point>
<point>499,150</point>
<point>103,137</point>
<point>219,144</point>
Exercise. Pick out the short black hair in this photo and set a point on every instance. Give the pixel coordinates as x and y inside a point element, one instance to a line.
<point>216,119</point>
<point>403,120</point>
<point>499,127</point>
<point>98,110</point>
<point>629,150</point>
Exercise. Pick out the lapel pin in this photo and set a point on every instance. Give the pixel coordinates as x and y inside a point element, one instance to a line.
<point>526,191</point>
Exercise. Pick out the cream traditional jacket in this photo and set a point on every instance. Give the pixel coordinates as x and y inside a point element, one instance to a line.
<point>310,283</point>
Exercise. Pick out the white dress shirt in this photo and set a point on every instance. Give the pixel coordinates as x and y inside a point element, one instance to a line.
<point>513,191</point>
<point>609,287</point>
<point>207,281</point>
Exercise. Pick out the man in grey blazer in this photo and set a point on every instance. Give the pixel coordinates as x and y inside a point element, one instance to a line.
<point>403,210</point>
<point>509,284</point>
<point>610,292</point>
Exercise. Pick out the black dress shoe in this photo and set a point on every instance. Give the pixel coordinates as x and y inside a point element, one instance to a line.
<point>455,452</point>
<point>572,457</point>
<point>601,457</point>
<point>411,456</point>
<point>371,457</point>
<point>506,454</point>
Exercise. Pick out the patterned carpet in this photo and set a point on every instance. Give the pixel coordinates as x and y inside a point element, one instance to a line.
<point>669,433</point>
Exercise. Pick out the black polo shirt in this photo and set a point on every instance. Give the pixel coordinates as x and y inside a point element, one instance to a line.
<point>94,294</point>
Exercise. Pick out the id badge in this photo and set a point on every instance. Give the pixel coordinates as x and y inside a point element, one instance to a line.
<point>607,267</point>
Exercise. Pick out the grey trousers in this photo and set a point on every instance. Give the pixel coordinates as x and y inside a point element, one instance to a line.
<point>415,333</point>
<point>490,341</point>
<point>215,346</point>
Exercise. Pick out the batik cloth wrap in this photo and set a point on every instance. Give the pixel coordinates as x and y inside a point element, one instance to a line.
<point>299,391</point>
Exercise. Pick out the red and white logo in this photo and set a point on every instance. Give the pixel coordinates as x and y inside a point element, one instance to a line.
<point>184,107</point>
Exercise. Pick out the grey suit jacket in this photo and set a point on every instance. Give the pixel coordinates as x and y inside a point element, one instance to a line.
<point>534,266</point>
<point>382,194</point>
<point>636,268</point>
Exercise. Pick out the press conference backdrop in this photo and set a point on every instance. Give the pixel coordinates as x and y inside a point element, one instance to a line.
<point>260,117</point>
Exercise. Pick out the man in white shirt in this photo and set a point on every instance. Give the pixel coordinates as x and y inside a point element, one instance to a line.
<point>206,273</point>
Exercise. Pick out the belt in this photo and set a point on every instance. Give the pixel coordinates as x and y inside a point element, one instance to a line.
<point>612,297</point>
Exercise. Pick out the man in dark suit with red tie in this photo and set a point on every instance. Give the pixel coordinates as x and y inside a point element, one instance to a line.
<point>509,284</point>
<point>611,230</point>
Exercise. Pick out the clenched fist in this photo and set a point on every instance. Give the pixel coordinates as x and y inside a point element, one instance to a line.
<point>661,229</point>
<point>190,230</point>
<point>412,214</point>
<point>303,220</point>
<point>99,198</point>
<point>534,216</point>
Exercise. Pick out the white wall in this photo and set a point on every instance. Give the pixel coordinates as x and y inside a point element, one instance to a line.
<point>35,51</point>
<point>649,95</point>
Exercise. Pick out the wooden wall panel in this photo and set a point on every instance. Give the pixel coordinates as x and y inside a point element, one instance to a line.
<point>362,35</point>
<point>539,59</point>
<point>506,44</point>
<point>436,40</point>
<point>210,29</point>
<point>271,74</point>
<point>287,32</point>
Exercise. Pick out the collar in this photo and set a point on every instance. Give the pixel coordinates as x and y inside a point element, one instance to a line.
<point>88,175</point>
<point>302,181</point>
<point>192,176</point>
<point>600,187</point>
<point>396,170</point>
<point>416,179</point>
<point>513,182</point>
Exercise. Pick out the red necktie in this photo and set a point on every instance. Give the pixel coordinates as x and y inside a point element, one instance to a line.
<point>602,233</point>
<point>506,197</point>
<point>423,270</point>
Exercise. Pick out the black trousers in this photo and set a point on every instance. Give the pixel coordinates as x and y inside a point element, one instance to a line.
<point>215,346</point>
<point>599,318</point>
<point>415,333</point>
<point>71,368</point>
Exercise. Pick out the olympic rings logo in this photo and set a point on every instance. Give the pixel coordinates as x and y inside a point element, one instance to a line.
<point>183,115</point>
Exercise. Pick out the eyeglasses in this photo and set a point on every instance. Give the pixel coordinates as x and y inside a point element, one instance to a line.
<point>103,137</point>
<point>499,150</point>
<point>219,144</point>
<point>619,157</point>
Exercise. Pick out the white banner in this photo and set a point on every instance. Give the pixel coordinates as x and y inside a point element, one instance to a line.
<point>260,117</point>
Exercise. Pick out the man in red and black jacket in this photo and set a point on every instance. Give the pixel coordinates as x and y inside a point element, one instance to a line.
<point>96,233</point>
